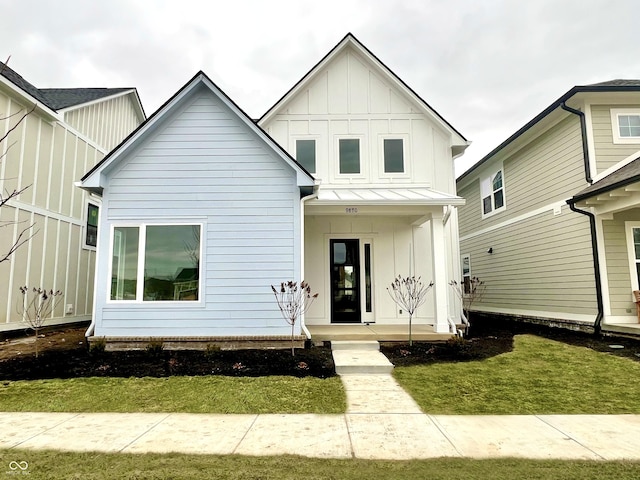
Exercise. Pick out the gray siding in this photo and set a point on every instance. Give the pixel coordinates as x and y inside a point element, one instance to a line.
<point>541,264</point>
<point>608,153</point>
<point>205,164</point>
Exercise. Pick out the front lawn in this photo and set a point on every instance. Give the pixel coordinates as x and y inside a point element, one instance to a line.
<point>96,466</point>
<point>204,394</point>
<point>540,376</point>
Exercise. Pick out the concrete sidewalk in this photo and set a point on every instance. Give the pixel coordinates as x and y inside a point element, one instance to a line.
<point>397,436</point>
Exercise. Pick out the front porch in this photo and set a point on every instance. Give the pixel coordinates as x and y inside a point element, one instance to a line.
<point>380,333</point>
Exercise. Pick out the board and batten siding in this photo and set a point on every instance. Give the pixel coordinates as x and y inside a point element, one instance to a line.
<point>541,264</point>
<point>47,157</point>
<point>350,99</point>
<point>204,165</point>
<point>106,122</point>
<point>608,153</point>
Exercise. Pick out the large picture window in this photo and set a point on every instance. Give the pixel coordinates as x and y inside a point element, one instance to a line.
<point>156,263</point>
<point>492,191</point>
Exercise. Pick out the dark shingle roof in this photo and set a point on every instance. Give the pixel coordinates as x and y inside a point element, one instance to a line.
<point>617,83</point>
<point>58,98</point>
<point>626,175</point>
<point>21,83</point>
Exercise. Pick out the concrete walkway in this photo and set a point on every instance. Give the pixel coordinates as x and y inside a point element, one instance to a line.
<point>382,422</point>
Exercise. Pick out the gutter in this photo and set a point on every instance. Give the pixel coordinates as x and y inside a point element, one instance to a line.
<point>597,325</point>
<point>304,200</point>
<point>585,146</point>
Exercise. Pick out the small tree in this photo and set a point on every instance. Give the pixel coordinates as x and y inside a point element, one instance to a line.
<point>293,301</point>
<point>409,293</point>
<point>469,292</point>
<point>37,305</point>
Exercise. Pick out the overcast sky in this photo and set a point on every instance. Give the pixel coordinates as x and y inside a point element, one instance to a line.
<point>487,66</point>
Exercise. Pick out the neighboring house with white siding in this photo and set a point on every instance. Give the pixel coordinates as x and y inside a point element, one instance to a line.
<point>203,210</point>
<point>552,214</point>
<point>68,132</point>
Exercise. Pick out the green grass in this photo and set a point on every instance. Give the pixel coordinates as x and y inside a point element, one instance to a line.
<point>210,394</point>
<point>94,466</point>
<point>539,376</point>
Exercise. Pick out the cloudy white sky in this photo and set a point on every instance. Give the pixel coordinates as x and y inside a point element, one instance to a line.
<point>487,66</point>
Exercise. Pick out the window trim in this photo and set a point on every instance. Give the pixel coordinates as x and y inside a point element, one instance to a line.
<point>361,143</point>
<point>85,224</point>
<point>142,236</point>
<point>490,179</point>
<point>631,254</point>
<point>615,125</point>
<point>405,156</point>
<point>294,149</point>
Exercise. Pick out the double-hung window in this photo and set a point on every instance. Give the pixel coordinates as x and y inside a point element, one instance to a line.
<point>625,123</point>
<point>91,226</point>
<point>466,274</point>
<point>156,263</point>
<point>492,193</point>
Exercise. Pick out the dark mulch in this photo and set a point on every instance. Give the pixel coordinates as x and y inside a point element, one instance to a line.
<point>64,354</point>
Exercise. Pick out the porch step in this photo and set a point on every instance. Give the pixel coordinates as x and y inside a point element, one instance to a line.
<point>360,358</point>
<point>355,345</point>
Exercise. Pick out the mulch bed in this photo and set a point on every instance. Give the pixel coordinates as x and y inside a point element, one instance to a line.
<point>65,354</point>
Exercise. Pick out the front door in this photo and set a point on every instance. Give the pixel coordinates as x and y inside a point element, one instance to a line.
<point>345,281</point>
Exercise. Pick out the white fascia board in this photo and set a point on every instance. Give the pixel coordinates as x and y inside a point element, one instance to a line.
<point>40,107</point>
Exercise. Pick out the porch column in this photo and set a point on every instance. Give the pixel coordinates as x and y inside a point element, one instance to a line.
<point>439,256</point>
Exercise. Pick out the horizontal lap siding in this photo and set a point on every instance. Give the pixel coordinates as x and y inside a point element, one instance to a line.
<point>206,164</point>
<point>607,153</point>
<point>541,264</point>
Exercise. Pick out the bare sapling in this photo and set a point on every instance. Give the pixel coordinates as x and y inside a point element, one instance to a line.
<point>37,306</point>
<point>470,291</point>
<point>409,293</point>
<point>293,300</point>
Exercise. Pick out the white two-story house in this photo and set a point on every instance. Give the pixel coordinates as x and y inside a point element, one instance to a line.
<point>347,182</point>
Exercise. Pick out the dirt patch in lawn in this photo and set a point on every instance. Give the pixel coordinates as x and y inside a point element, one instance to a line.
<point>65,354</point>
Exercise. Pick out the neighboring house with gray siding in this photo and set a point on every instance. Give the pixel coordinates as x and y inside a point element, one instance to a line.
<point>68,132</point>
<point>545,226</point>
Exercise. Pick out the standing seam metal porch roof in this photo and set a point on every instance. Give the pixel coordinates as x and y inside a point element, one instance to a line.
<point>384,196</point>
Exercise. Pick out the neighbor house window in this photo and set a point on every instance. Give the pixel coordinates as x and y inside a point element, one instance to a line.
<point>349,152</point>
<point>156,263</point>
<point>633,247</point>
<point>466,274</point>
<point>306,154</point>
<point>625,123</point>
<point>91,227</point>
<point>393,155</point>
<point>492,191</point>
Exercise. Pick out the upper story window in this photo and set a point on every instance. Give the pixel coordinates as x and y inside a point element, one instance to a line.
<point>156,263</point>
<point>349,153</point>
<point>492,192</point>
<point>306,154</point>
<point>91,227</point>
<point>625,123</point>
<point>393,155</point>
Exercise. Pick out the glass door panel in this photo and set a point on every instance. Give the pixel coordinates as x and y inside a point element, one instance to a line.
<point>345,281</point>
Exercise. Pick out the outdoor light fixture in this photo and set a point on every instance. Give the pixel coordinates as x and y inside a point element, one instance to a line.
<point>490,250</point>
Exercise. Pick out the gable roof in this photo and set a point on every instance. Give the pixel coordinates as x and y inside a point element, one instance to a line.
<point>618,85</point>
<point>92,180</point>
<point>622,177</point>
<point>60,98</point>
<point>350,40</point>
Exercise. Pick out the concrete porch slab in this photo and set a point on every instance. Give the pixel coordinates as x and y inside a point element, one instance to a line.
<point>381,333</point>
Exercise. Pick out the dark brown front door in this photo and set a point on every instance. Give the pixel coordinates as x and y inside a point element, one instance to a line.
<point>345,281</point>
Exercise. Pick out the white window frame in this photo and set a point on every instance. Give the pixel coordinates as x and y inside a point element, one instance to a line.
<point>142,236</point>
<point>294,148</point>
<point>85,224</point>
<point>629,227</point>
<point>463,275</point>
<point>361,142</point>
<point>616,113</point>
<point>405,156</point>
<point>487,180</point>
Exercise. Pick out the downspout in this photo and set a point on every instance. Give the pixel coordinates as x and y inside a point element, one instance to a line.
<point>304,200</point>
<point>597,325</point>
